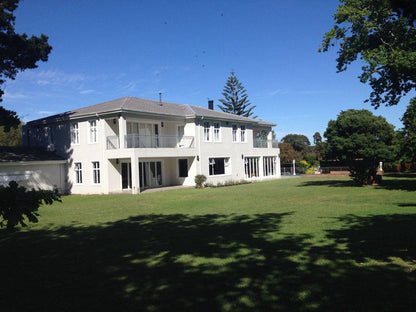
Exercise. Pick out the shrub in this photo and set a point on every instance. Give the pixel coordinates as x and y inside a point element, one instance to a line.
<point>16,203</point>
<point>199,180</point>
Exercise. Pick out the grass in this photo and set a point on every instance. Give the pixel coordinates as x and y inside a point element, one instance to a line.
<point>308,244</point>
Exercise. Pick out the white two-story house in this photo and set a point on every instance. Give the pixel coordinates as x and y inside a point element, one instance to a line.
<point>130,144</point>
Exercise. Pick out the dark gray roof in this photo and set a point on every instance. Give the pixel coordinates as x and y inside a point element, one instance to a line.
<point>22,153</point>
<point>138,105</point>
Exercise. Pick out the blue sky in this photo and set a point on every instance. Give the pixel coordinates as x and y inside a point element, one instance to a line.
<point>103,50</point>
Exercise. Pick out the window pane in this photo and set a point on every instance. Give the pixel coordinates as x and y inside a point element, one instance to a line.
<point>183,168</point>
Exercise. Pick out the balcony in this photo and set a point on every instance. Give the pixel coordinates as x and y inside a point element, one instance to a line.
<point>263,143</point>
<point>151,141</point>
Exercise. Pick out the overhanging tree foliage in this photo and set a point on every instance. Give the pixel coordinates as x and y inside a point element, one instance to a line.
<point>18,204</point>
<point>235,99</point>
<point>381,33</point>
<point>407,135</point>
<point>17,53</point>
<point>362,140</point>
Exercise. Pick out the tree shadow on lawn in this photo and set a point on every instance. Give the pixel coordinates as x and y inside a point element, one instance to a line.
<point>332,182</point>
<point>406,182</point>
<point>200,263</point>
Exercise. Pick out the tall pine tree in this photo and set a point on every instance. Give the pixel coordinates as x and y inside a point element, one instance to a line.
<point>235,99</point>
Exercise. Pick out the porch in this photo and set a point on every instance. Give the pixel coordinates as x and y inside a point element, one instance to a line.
<point>135,175</point>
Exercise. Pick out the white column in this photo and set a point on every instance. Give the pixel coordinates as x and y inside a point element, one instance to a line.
<point>122,131</point>
<point>261,167</point>
<point>270,139</point>
<point>135,183</point>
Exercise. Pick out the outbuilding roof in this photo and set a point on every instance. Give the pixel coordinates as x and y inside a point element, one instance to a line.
<point>138,105</point>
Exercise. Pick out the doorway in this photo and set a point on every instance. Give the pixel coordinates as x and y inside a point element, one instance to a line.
<point>126,175</point>
<point>150,174</point>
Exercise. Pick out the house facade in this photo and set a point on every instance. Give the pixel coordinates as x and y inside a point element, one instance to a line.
<point>131,144</point>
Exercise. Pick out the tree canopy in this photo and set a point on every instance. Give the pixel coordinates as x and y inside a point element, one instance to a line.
<point>298,141</point>
<point>407,135</point>
<point>18,52</point>
<point>235,99</point>
<point>362,140</point>
<point>382,34</point>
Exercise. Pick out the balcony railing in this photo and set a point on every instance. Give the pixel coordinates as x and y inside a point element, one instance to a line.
<point>158,141</point>
<point>263,143</point>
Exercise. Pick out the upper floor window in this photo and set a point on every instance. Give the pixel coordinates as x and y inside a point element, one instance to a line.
<point>243,133</point>
<point>74,133</point>
<point>96,179</point>
<point>93,131</point>
<point>217,134</point>
<point>207,127</point>
<point>234,133</point>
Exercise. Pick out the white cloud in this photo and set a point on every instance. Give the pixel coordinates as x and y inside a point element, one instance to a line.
<point>18,95</point>
<point>57,77</point>
<point>87,91</point>
<point>46,113</point>
<point>278,91</point>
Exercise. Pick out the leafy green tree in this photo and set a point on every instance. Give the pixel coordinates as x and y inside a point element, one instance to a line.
<point>11,138</point>
<point>382,34</point>
<point>362,140</point>
<point>235,99</point>
<point>287,153</point>
<point>407,135</point>
<point>299,142</point>
<point>18,52</point>
<point>18,204</point>
<point>319,145</point>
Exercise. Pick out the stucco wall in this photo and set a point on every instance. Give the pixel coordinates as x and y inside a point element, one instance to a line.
<point>46,176</point>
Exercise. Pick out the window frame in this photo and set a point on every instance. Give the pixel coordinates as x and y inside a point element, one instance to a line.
<point>78,176</point>
<point>94,172</point>
<point>234,133</point>
<point>92,131</point>
<point>207,131</point>
<point>243,134</point>
<point>74,131</point>
<point>212,162</point>
<point>216,137</point>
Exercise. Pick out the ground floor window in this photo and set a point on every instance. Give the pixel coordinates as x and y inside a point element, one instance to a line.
<point>219,165</point>
<point>269,166</point>
<point>78,172</point>
<point>251,167</point>
<point>183,168</point>
<point>96,172</point>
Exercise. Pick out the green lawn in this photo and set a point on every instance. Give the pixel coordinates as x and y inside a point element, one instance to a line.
<point>300,244</point>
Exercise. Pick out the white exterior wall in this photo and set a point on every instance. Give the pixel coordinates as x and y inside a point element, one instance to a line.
<point>236,151</point>
<point>110,171</point>
<point>44,175</point>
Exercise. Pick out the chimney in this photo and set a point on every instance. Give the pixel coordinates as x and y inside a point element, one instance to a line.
<point>160,98</point>
<point>211,104</point>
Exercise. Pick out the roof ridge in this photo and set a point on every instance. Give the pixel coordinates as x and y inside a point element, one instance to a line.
<point>190,108</point>
<point>124,101</point>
